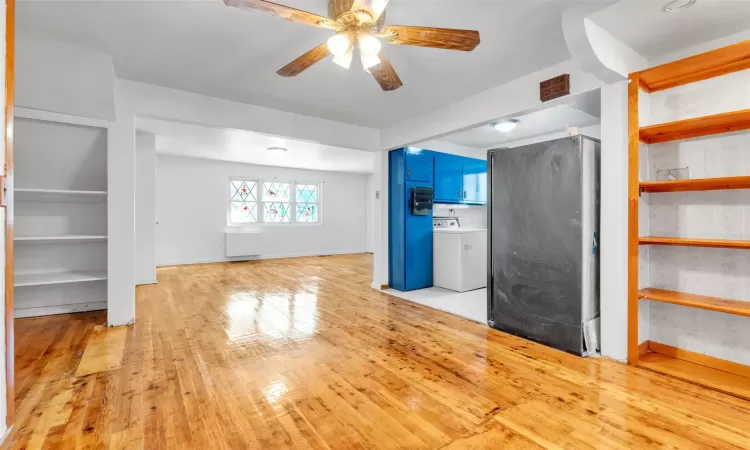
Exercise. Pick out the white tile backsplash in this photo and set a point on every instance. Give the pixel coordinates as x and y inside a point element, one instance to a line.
<point>714,214</point>
<point>703,98</point>
<point>470,216</point>
<point>712,333</point>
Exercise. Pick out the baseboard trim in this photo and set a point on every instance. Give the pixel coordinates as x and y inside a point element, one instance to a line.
<point>643,347</point>
<point>701,359</point>
<point>5,436</point>
<point>145,282</point>
<point>257,258</point>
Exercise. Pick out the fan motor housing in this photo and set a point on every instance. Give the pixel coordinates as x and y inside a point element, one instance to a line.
<point>338,7</point>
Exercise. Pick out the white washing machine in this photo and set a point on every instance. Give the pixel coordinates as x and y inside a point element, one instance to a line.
<point>459,256</point>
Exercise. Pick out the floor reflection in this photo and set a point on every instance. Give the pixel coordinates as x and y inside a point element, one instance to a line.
<point>251,316</point>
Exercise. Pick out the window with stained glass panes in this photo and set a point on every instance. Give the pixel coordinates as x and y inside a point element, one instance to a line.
<point>273,202</point>
<point>306,202</point>
<point>243,201</point>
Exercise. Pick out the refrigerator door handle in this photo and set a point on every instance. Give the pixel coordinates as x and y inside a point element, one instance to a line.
<point>594,245</point>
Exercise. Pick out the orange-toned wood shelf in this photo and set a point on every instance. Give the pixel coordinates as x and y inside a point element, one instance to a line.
<point>712,378</point>
<point>690,242</point>
<point>699,126</point>
<point>724,305</point>
<point>696,184</point>
<point>725,60</point>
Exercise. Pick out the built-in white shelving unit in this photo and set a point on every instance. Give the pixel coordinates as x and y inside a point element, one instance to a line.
<point>57,239</point>
<point>39,279</point>
<point>60,214</point>
<point>59,195</point>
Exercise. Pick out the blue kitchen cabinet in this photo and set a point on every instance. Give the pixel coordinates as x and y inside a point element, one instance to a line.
<point>419,164</point>
<point>459,179</point>
<point>409,235</point>
<point>449,178</point>
<point>475,181</point>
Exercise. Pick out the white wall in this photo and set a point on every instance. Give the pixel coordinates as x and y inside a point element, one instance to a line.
<point>121,212</point>
<point>56,76</point>
<point>518,96</point>
<point>145,213</point>
<point>159,102</point>
<point>454,149</point>
<point>191,204</point>
<point>593,131</point>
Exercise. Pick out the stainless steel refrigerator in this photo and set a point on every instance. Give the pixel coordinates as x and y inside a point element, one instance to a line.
<point>543,258</point>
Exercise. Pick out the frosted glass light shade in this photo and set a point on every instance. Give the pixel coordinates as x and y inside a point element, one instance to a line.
<point>339,44</point>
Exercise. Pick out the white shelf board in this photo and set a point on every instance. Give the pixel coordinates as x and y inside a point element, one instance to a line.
<point>60,239</point>
<point>22,313</point>
<point>40,279</point>
<point>57,195</point>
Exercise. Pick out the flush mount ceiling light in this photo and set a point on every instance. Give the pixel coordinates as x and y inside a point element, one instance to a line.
<point>678,5</point>
<point>506,125</point>
<point>360,23</point>
<point>277,149</point>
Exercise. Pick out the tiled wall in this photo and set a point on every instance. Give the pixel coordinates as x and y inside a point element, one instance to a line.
<point>470,216</point>
<point>716,214</point>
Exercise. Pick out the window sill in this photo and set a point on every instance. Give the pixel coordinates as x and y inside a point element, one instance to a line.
<point>258,225</point>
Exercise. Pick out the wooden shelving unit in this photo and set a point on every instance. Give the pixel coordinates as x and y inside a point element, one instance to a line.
<point>690,242</point>
<point>697,373</point>
<point>697,127</point>
<point>722,375</point>
<point>724,305</point>
<point>696,184</point>
<point>732,58</point>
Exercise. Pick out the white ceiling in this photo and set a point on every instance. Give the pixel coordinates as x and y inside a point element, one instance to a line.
<point>205,47</point>
<point>179,139</point>
<point>643,26</point>
<point>581,111</point>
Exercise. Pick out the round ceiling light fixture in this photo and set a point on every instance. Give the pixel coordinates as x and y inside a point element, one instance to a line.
<point>506,126</point>
<point>678,5</point>
<point>277,149</point>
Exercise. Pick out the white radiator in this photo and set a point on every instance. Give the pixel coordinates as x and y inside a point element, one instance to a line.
<point>243,242</point>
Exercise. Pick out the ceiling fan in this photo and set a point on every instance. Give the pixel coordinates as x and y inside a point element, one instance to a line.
<point>360,22</point>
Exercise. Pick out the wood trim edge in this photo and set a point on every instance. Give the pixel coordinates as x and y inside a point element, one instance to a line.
<point>10,58</point>
<point>633,199</point>
<point>699,358</point>
<point>644,348</point>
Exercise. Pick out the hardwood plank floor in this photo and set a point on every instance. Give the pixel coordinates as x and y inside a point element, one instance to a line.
<point>302,353</point>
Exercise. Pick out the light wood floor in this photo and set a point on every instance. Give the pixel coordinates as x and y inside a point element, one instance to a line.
<point>301,353</point>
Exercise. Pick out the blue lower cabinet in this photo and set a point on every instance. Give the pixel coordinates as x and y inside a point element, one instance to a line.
<point>409,235</point>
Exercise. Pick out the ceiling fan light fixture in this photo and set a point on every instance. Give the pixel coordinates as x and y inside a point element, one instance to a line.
<point>339,44</point>
<point>506,126</point>
<point>369,44</point>
<point>678,5</point>
<point>344,60</point>
<point>369,61</point>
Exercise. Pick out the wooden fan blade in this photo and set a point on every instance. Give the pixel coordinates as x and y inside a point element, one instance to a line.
<point>385,74</point>
<point>447,38</point>
<point>285,12</point>
<point>304,62</point>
